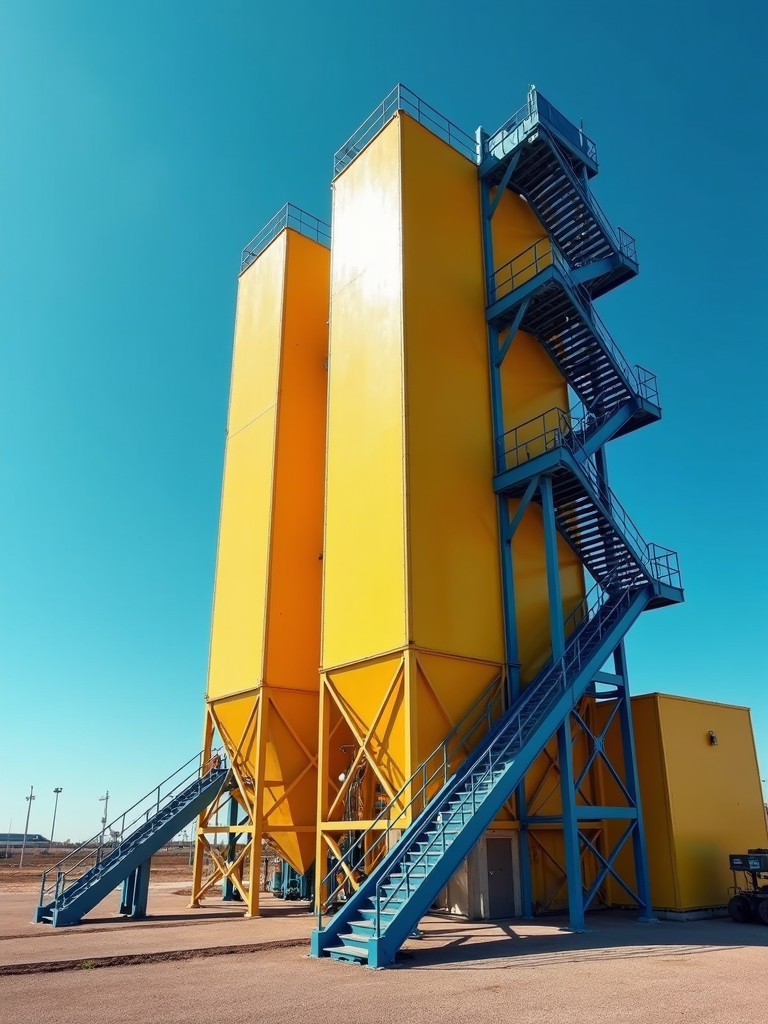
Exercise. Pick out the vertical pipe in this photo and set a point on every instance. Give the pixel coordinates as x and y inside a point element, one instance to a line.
<point>508,601</point>
<point>553,570</point>
<point>29,799</point>
<point>570,827</point>
<point>197,865</point>
<point>227,887</point>
<point>258,803</point>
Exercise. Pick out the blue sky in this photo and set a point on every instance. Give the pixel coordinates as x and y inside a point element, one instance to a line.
<point>145,143</point>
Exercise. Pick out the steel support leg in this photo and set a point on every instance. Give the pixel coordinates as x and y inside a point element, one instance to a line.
<point>228,890</point>
<point>570,827</point>
<point>126,895</point>
<point>639,849</point>
<point>141,889</point>
<point>564,746</point>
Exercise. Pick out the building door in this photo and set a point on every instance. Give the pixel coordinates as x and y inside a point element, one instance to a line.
<point>501,896</point>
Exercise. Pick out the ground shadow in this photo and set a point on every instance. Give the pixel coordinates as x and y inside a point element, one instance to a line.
<point>608,937</point>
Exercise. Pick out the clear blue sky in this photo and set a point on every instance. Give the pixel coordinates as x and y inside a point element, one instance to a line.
<point>143,144</point>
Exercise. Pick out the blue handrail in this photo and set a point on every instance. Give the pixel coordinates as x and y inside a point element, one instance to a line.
<point>402,98</point>
<point>538,110</point>
<point>289,216</point>
<point>536,259</point>
<point>541,693</point>
<point>557,429</point>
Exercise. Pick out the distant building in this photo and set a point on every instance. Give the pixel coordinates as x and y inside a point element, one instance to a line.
<point>17,838</point>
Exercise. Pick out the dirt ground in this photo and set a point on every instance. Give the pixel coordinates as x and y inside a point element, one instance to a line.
<point>167,866</point>
<point>184,966</point>
<point>620,972</point>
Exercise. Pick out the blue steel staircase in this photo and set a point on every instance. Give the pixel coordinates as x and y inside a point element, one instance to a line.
<point>534,292</point>
<point>85,876</point>
<point>373,923</point>
<point>588,514</point>
<point>540,155</point>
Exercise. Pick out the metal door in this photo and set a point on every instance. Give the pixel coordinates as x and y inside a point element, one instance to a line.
<point>501,896</point>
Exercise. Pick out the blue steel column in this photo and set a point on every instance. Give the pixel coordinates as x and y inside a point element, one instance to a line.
<point>564,744</point>
<point>228,890</point>
<point>505,541</point>
<point>639,847</point>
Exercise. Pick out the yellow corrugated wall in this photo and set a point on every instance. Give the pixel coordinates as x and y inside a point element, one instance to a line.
<point>700,801</point>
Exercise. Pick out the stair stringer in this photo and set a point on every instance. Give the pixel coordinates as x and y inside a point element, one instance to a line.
<point>551,278</point>
<point>101,879</point>
<point>382,950</point>
<point>563,457</point>
<point>588,271</point>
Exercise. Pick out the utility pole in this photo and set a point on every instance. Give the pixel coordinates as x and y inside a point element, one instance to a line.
<point>105,800</point>
<point>29,800</point>
<point>56,791</point>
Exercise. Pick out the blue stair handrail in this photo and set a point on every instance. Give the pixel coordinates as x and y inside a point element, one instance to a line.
<point>430,776</point>
<point>289,216</point>
<point>538,112</point>
<point>537,258</point>
<point>435,770</point>
<point>511,733</point>
<point>555,429</point>
<point>89,855</point>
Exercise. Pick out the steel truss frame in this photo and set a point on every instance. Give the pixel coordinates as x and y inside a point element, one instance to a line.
<point>247,825</point>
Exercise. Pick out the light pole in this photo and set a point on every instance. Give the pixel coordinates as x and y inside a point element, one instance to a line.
<point>56,791</point>
<point>105,800</point>
<point>29,800</point>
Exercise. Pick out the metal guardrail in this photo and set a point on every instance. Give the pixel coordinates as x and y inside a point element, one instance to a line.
<point>90,853</point>
<point>557,429</point>
<point>538,110</point>
<point>537,258</point>
<point>524,122</point>
<point>524,267</point>
<point>289,216</point>
<point>402,98</point>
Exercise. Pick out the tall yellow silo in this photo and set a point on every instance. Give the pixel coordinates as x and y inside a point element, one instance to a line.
<point>262,695</point>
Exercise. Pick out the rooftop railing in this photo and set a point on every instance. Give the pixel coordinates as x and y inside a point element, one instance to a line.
<point>289,217</point>
<point>401,98</point>
<point>538,110</point>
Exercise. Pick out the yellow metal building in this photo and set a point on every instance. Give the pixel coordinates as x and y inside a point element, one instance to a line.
<point>262,692</point>
<point>700,786</point>
<point>701,799</point>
